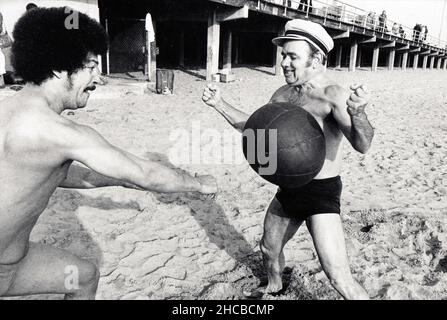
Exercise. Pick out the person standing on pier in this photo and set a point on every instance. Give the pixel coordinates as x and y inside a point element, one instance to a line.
<point>304,4</point>
<point>382,22</point>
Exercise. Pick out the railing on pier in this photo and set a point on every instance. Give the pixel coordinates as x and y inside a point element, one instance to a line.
<point>344,13</point>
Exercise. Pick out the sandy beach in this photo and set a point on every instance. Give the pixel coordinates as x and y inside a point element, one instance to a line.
<point>188,246</point>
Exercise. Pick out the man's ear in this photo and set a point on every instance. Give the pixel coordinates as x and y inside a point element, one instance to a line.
<point>317,60</point>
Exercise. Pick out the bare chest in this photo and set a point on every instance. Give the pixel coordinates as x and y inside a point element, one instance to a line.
<point>319,109</point>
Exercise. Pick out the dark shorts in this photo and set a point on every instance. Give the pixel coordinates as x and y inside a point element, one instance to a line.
<point>316,197</point>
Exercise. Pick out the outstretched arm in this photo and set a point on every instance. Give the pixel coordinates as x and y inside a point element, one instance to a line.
<point>112,166</point>
<point>81,177</point>
<point>212,97</point>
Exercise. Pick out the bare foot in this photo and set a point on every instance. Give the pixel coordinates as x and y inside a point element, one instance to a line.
<point>274,282</point>
<point>262,290</point>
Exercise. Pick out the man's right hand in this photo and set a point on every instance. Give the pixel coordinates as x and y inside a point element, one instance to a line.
<point>208,184</point>
<point>212,95</point>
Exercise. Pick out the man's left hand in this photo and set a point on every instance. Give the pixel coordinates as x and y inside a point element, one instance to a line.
<point>358,100</point>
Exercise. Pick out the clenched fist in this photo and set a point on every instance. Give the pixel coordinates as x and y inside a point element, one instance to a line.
<point>212,95</point>
<point>358,100</point>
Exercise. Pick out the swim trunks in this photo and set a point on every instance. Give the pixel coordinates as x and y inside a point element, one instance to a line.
<point>316,197</point>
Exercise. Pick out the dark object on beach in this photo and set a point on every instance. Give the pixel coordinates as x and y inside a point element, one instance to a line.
<point>164,81</point>
<point>297,153</point>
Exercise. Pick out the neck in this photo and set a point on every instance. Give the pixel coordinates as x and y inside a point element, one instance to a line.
<point>50,92</point>
<point>315,77</point>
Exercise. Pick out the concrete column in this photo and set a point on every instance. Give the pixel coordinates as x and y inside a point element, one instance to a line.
<point>404,60</point>
<point>439,63</point>
<point>391,58</point>
<point>445,64</point>
<point>278,57</point>
<point>212,58</point>
<point>432,62</point>
<point>359,58</point>
<point>278,60</point>
<point>353,56</point>
<point>181,59</point>
<point>375,60</point>
<point>236,48</point>
<point>152,56</point>
<point>415,61</point>
<point>399,60</point>
<point>424,63</point>
<point>228,45</point>
<point>338,56</point>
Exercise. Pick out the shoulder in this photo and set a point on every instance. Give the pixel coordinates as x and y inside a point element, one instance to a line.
<point>43,132</point>
<point>32,138</point>
<point>336,91</point>
<point>68,135</point>
<point>334,94</point>
<point>279,93</point>
<point>331,90</point>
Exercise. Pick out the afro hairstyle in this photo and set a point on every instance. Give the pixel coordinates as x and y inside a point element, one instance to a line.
<point>43,43</point>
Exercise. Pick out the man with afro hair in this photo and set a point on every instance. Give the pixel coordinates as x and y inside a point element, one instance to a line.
<point>58,59</point>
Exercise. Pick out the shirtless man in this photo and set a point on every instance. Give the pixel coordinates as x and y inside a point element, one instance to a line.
<point>339,112</point>
<point>38,148</point>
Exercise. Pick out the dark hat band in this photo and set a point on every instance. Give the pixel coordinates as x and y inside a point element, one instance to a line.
<point>308,36</point>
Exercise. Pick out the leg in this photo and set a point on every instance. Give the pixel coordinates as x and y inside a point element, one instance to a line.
<point>278,229</point>
<point>327,233</point>
<point>50,270</point>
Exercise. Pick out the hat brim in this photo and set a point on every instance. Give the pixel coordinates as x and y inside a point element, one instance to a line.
<point>280,41</point>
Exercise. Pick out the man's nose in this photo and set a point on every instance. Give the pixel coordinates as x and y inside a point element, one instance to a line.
<point>285,62</point>
<point>96,76</point>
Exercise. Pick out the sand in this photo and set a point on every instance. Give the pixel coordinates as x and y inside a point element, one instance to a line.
<point>188,246</point>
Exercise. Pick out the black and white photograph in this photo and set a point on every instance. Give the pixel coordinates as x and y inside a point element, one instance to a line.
<point>249,151</point>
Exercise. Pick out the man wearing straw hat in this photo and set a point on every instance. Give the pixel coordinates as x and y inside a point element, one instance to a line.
<point>340,113</point>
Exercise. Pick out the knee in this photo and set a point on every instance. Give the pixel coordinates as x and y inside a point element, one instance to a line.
<point>88,275</point>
